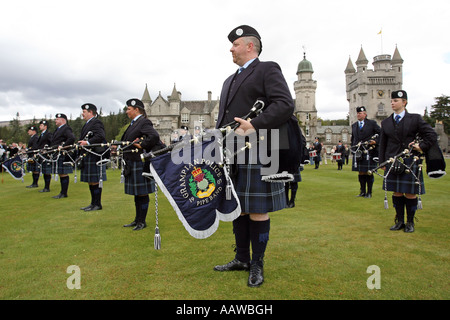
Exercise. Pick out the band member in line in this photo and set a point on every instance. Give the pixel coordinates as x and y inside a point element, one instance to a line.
<point>340,149</point>
<point>45,139</point>
<point>398,132</point>
<point>184,133</point>
<point>63,136</point>
<point>146,138</point>
<point>32,165</point>
<point>365,130</point>
<point>92,132</point>
<point>254,79</point>
<point>317,146</point>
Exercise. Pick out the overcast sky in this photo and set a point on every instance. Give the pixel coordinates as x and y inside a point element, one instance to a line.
<point>56,55</point>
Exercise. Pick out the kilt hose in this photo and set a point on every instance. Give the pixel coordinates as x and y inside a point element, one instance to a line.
<point>91,171</point>
<point>406,182</point>
<point>135,183</point>
<point>257,196</point>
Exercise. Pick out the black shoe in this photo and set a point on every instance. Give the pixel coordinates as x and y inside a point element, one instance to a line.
<point>256,276</point>
<point>362,194</point>
<point>290,204</point>
<point>32,186</point>
<point>368,195</point>
<point>130,224</point>
<point>44,190</point>
<point>89,206</point>
<point>398,226</point>
<point>59,196</point>
<point>409,227</point>
<point>234,265</point>
<point>93,208</point>
<point>140,226</point>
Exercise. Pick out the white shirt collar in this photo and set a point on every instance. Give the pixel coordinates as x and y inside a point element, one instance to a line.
<point>246,65</point>
<point>401,114</point>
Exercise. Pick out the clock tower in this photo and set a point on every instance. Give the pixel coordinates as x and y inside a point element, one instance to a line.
<point>372,87</point>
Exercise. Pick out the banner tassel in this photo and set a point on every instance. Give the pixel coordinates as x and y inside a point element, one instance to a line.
<point>157,240</point>
<point>228,191</point>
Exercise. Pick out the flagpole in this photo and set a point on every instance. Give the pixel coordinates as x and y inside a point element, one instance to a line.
<point>381,33</point>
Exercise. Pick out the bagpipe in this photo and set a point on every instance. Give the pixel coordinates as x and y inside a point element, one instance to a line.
<point>195,174</point>
<point>363,148</point>
<point>433,158</point>
<point>74,155</point>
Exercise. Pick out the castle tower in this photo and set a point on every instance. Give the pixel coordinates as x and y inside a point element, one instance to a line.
<point>175,101</point>
<point>146,100</point>
<point>372,87</point>
<point>305,98</point>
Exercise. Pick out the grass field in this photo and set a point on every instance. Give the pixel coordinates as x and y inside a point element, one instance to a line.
<point>320,249</point>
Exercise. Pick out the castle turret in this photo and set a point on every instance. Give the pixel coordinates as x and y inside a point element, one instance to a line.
<point>146,100</point>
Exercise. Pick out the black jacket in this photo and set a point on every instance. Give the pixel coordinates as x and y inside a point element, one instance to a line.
<point>63,136</point>
<point>98,131</point>
<point>45,139</point>
<point>369,129</point>
<point>142,128</point>
<point>259,80</point>
<point>395,138</point>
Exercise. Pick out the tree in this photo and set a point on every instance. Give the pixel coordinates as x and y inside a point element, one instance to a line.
<point>441,111</point>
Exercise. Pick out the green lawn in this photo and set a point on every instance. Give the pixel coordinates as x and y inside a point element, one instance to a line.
<point>320,249</point>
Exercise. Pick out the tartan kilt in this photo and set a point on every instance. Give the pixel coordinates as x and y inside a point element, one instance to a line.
<point>135,183</point>
<point>91,171</point>
<point>363,165</point>
<point>46,167</point>
<point>297,175</point>
<point>405,183</point>
<point>33,166</point>
<point>257,196</point>
<point>60,168</point>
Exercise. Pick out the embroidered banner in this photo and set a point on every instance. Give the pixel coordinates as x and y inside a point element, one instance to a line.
<point>197,186</point>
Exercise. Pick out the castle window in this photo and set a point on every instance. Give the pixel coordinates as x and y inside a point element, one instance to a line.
<point>344,137</point>
<point>328,136</point>
<point>185,118</point>
<point>307,131</point>
<point>201,119</point>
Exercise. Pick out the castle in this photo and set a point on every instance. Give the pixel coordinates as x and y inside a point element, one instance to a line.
<point>365,87</point>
